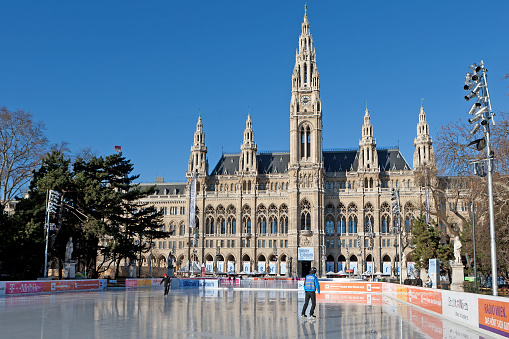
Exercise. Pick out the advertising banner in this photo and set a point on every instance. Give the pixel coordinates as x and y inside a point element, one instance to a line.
<point>357,298</point>
<point>341,266</point>
<point>2,287</point>
<point>333,286</point>
<point>231,266</point>
<point>305,254</point>
<point>425,298</point>
<point>369,267</point>
<point>272,267</point>
<point>282,267</point>
<point>493,316</point>
<point>261,266</point>
<point>49,286</point>
<point>220,266</point>
<point>246,266</point>
<point>434,271</point>
<point>329,266</point>
<point>386,268</point>
<point>24,287</point>
<point>461,307</point>
<point>209,266</point>
<point>353,266</point>
<point>410,270</point>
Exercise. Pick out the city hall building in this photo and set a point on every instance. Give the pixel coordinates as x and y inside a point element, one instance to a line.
<point>284,212</point>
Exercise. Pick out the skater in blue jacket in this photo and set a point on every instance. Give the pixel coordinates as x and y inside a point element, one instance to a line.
<point>310,286</point>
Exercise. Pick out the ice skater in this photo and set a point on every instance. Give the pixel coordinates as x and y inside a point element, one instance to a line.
<point>310,286</point>
<point>167,283</point>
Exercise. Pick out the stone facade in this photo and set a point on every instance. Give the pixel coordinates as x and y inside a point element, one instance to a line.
<point>255,210</point>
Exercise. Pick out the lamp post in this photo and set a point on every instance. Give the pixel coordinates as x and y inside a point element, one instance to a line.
<point>348,257</point>
<point>150,267</point>
<point>397,225</point>
<point>477,85</point>
<point>218,254</point>
<point>170,260</point>
<point>360,263</point>
<point>369,229</point>
<point>52,203</point>
<point>275,255</point>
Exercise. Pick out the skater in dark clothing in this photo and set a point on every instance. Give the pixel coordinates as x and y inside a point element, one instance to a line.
<point>167,283</point>
<point>310,286</point>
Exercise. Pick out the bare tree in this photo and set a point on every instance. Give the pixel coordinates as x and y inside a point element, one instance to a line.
<point>22,147</point>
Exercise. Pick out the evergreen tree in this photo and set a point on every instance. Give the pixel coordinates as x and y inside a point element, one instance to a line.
<point>428,243</point>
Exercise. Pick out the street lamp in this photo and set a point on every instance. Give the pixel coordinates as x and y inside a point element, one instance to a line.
<point>397,213</point>
<point>170,260</point>
<point>369,229</point>
<point>52,203</point>
<point>218,254</point>
<point>150,267</point>
<point>275,255</point>
<point>477,84</point>
<point>360,263</point>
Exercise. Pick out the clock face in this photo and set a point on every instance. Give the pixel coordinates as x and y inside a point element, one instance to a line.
<point>305,100</point>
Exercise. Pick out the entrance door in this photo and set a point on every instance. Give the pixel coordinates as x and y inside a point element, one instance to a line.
<point>306,266</point>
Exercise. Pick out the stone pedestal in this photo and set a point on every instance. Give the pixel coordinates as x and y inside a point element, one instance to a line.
<point>69,270</point>
<point>132,271</point>
<point>458,277</point>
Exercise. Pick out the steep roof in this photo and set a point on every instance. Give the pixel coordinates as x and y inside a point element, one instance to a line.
<point>334,161</point>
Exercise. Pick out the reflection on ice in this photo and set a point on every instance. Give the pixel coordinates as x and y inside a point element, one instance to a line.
<point>146,313</point>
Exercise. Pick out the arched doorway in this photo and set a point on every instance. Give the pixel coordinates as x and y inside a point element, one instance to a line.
<point>329,264</point>
<point>370,264</point>
<point>209,263</point>
<point>273,264</point>
<point>353,264</point>
<point>220,263</point>
<point>262,264</point>
<point>246,264</point>
<point>341,263</point>
<point>230,262</point>
<point>386,265</point>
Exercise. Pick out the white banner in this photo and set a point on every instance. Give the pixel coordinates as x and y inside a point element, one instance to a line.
<point>231,266</point>
<point>272,267</point>
<point>192,203</point>
<point>341,266</point>
<point>261,266</point>
<point>282,267</point>
<point>353,266</point>
<point>220,266</point>
<point>209,266</point>
<point>386,268</point>
<point>246,267</point>
<point>329,266</point>
<point>369,267</point>
<point>462,307</point>
<point>305,254</point>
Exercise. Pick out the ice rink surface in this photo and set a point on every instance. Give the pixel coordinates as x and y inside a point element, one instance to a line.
<point>146,313</point>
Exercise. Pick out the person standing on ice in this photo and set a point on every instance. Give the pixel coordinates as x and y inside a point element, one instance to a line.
<point>310,286</point>
<point>167,282</point>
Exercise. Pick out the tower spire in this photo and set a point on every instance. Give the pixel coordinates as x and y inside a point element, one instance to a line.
<point>423,154</point>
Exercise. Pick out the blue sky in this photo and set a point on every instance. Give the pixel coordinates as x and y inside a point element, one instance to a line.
<point>137,73</point>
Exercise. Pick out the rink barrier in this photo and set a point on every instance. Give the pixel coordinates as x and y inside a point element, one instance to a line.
<point>11,288</point>
<point>476,311</point>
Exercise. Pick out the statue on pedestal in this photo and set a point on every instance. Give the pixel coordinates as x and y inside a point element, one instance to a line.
<point>457,249</point>
<point>68,250</point>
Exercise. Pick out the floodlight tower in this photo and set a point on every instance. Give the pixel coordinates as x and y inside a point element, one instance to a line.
<point>477,85</point>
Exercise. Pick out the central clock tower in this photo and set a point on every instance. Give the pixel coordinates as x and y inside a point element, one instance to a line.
<point>306,167</point>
